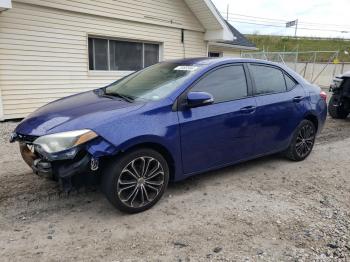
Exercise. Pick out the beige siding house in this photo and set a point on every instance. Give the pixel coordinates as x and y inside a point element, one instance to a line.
<point>55,48</point>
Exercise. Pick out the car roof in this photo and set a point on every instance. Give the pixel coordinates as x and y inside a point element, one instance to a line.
<point>213,61</point>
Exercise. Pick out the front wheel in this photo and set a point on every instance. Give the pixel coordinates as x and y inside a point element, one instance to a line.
<point>302,142</point>
<point>136,181</point>
<point>335,110</point>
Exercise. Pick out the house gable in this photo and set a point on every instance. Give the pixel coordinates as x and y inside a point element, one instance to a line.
<point>209,16</point>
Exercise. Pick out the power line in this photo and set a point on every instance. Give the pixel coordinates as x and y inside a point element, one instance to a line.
<point>336,25</point>
<point>258,22</point>
<point>252,23</point>
<point>261,18</point>
<point>280,26</point>
<point>265,19</point>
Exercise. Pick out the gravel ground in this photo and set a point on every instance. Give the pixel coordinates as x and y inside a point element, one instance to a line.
<point>268,209</point>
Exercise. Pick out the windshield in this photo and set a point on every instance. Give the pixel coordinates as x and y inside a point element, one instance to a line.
<point>153,83</point>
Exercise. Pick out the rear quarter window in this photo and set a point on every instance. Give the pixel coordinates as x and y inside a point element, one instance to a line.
<point>290,83</point>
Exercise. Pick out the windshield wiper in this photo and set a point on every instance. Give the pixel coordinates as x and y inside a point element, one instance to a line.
<point>125,97</point>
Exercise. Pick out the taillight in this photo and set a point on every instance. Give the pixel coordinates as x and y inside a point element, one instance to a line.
<point>323,95</point>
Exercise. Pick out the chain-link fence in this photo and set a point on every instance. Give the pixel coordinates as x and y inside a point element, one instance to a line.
<point>317,67</point>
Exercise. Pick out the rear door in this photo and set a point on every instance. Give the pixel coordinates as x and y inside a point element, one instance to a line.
<point>223,132</point>
<point>280,107</point>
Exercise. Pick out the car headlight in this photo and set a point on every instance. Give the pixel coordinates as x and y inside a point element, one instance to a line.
<point>58,142</point>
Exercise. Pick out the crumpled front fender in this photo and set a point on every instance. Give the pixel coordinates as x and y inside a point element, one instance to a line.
<point>100,147</point>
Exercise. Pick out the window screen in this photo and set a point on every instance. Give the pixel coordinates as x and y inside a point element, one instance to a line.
<point>268,79</point>
<point>151,54</point>
<point>125,55</point>
<point>101,54</point>
<point>289,82</point>
<point>225,84</point>
<point>108,54</point>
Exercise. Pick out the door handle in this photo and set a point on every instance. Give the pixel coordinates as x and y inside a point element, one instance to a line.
<point>248,109</point>
<point>297,99</point>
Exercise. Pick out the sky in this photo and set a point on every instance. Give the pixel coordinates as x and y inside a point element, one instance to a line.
<point>311,14</point>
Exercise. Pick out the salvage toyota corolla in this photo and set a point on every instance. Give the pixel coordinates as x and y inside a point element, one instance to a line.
<point>170,121</point>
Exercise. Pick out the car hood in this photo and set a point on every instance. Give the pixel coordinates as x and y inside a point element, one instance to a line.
<point>82,111</point>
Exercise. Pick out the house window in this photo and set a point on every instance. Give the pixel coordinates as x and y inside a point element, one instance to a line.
<point>214,54</point>
<point>116,55</point>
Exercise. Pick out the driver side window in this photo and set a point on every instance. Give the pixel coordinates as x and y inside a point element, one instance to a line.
<point>225,84</point>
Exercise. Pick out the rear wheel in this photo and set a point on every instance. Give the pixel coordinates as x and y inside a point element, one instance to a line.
<point>336,111</point>
<point>302,142</point>
<point>136,181</point>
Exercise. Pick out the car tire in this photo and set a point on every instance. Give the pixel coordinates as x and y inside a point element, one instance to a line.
<point>302,142</point>
<point>136,181</point>
<point>335,111</point>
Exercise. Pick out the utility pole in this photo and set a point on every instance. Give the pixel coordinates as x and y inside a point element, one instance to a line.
<point>293,23</point>
<point>227,11</point>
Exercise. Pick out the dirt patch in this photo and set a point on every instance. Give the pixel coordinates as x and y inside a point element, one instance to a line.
<point>266,209</point>
<point>334,130</point>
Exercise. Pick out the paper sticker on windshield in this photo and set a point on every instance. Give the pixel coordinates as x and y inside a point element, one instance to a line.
<point>186,68</point>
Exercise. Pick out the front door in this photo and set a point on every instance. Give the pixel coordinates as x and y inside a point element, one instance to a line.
<point>221,133</point>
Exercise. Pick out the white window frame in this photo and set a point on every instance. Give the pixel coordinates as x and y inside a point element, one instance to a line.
<point>143,42</point>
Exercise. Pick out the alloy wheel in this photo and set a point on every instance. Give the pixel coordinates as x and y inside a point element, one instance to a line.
<point>140,181</point>
<point>305,140</point>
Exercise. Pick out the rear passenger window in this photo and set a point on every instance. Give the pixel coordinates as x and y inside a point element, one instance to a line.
<point>289,82</point>
<point>225,84</point>
<point>268,79</point>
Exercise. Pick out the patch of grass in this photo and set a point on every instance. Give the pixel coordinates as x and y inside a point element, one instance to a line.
<point>288,44</point>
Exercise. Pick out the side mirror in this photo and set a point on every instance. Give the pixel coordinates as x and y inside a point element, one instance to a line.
<point>196,99</point>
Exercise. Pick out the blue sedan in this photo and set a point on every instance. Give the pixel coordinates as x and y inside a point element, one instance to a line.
<point>170,121</point>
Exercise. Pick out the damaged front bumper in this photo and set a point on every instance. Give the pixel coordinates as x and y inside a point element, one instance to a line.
<point>71,172</point>
<point>58,169</point>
